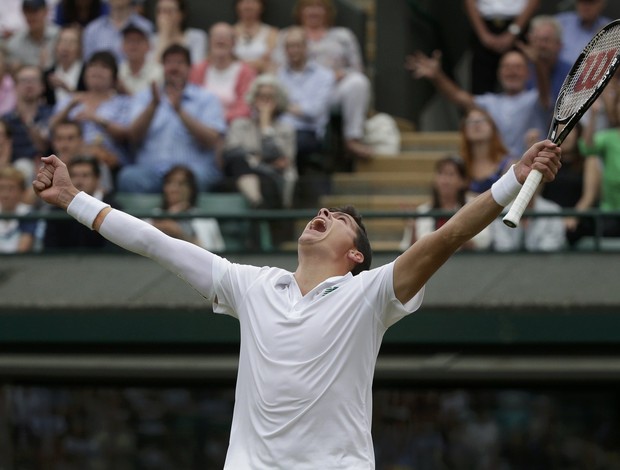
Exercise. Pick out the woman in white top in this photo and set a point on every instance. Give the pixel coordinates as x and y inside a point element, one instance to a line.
<point>223,75</point>
<point>180,194</point>
<point>171,22</point>
<point>449,194</point>
<point>255,39</point>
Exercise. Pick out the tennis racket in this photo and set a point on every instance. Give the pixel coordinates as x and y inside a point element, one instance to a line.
<point>582,86</point>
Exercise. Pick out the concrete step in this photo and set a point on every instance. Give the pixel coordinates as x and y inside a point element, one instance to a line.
<point>405,162</point>
<point>386,202</point>
<point>382,183</point>
<point>448,141</point>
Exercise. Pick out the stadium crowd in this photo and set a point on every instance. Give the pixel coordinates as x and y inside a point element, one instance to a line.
<point>247,107</point>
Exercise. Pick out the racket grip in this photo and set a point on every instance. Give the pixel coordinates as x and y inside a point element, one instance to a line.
<point>523,199</point>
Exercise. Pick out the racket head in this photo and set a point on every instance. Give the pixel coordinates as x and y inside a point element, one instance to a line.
<point>588,77</point>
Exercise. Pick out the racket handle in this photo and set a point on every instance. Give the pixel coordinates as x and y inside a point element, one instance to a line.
<point>523,199</point>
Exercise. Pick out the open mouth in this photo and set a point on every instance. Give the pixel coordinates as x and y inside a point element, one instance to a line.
<point>318,225</point>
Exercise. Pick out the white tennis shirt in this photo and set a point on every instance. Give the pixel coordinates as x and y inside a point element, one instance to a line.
<point>306,365</point>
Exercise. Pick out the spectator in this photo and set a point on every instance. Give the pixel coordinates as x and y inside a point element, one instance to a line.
<point>579,26</point>
<point>222,74</point>
<point>68,143</point>
<point>260,151</point>
<point>515,110</point>
<point>601,175</point>
<point>255,40</point>
<point>533,233</point>
<point>543,50</point>
<point>577,185</point>
<point>66,75</point>
<point>178,123</point>
<point>104,33</point>
<point>34,44</point>
<point>6,144</point>
<point>180,195</point>
<point>337,49</point>
<point>486,158</point>
<point>29,120</point>
<point>8,97</point>
<point>84,172</point>
<point>139,69</point>
<point>11,19</point>
<point>101,111</point>
<point>79,12</point>
<point>449,194</point>
<point>16,236</point>
<point>66,140</point>
<point>309,86</point>
<point>171,20</point>
<point>497,26</point>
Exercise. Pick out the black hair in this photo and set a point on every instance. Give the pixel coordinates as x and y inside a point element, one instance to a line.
<point>86,160</point>
<point>361,242</point>
<point>67,122</point>
<point>459,164</point>
<point>191,181</point>
<point>177,49</point>
<point>105,58</point>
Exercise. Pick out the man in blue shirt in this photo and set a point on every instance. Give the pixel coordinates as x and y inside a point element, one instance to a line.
<point>543,50</point>
<point>105,32</point>
<point>579,26</point>
<point>177,124</point>
<point>309,86</point>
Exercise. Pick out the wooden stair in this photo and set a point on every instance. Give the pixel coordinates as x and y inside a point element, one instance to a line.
<point>392,183</point>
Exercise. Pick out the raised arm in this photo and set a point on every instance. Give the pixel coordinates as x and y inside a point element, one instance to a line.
<point>429,67</point>
<point>188,261</point>
<point>415,267</point>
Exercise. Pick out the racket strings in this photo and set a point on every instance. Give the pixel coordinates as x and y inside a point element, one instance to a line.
<point>598,59</point>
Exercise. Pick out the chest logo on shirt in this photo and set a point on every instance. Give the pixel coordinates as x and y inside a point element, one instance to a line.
<point>329,290</point>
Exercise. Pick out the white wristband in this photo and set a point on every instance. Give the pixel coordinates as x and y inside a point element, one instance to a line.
<point>85,208</point>
<point>505,189</point>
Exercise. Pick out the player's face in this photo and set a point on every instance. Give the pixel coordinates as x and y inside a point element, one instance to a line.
<point>338,229</point>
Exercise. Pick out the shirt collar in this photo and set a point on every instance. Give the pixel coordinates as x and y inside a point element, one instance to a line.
<point>286,279</point>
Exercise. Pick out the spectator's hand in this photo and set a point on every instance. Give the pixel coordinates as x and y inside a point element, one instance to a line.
<point>570,224</point>
<point>423,66</point>
<point>503,42</point>
<point>543,156</point>
<point>530,52</point>
<point>175,95</point>
<point>56,82</point>
<point>280,163</point>
<point>155,95</point>
<point>53,184</point>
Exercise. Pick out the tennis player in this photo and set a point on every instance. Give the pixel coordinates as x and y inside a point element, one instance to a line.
<point>309,338</point>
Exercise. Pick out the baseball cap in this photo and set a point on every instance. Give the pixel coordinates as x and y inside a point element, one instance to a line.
<point>135,28</point>
<point>33,4</point>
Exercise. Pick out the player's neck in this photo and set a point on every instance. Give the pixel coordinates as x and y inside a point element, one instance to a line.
<point>312,272</point>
